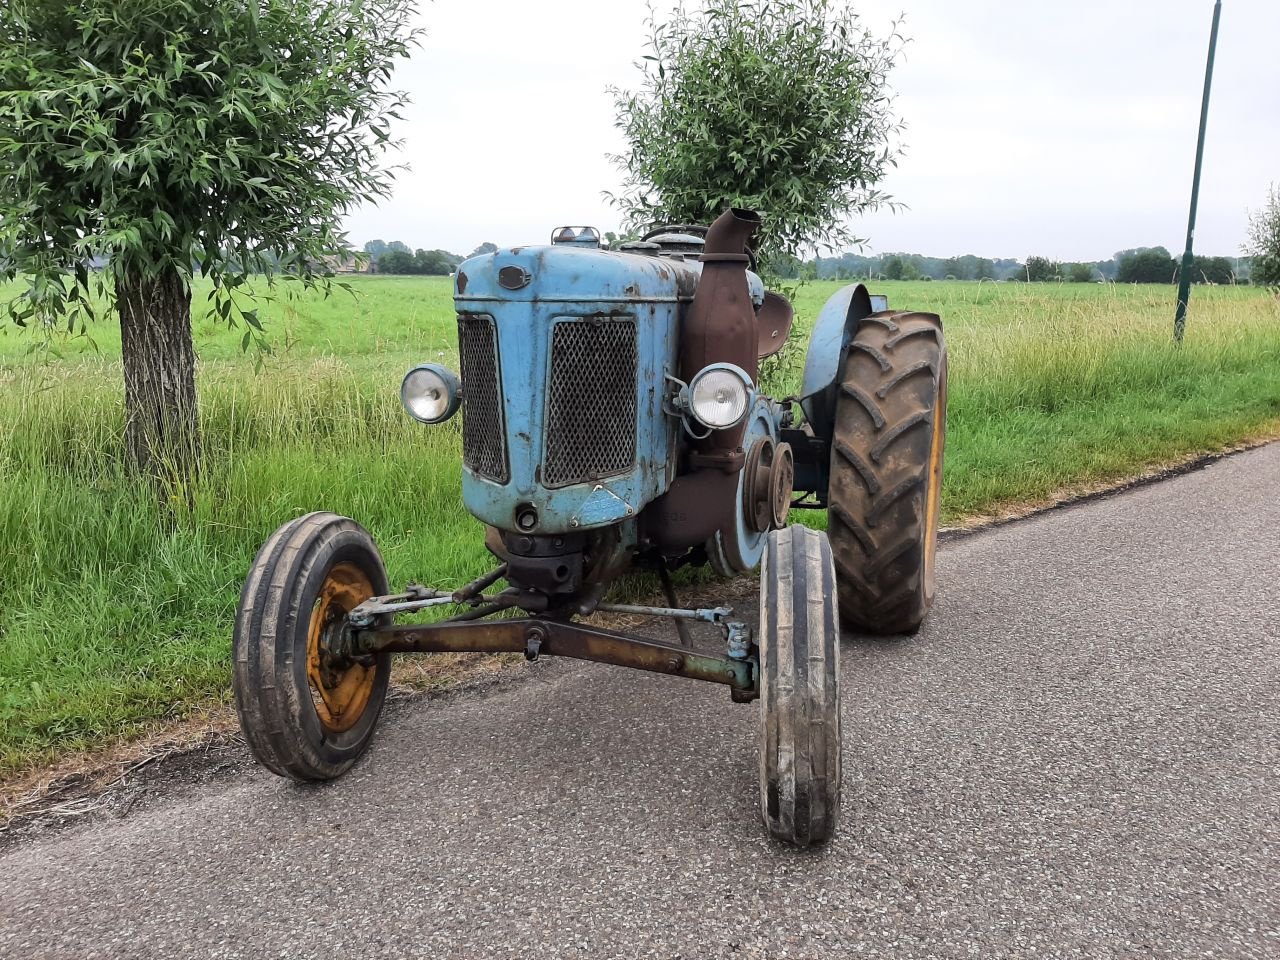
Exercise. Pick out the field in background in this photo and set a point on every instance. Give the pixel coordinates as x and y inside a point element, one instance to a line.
<point>115,612</point>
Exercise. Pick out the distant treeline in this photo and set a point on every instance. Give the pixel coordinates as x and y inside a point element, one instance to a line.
<point>1138,265</point>
<point>396,257</point>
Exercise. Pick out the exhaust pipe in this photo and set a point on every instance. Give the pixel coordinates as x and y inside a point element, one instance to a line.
<point>720,327</point>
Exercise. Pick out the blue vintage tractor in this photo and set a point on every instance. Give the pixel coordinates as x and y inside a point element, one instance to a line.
<point>611,420</point>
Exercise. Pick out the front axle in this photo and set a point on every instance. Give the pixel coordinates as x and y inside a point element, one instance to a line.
<point>536,637</point>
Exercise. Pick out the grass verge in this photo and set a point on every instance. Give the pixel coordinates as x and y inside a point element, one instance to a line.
<point>115,610</point>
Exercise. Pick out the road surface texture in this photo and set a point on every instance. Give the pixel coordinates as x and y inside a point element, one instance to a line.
<point>1079,756</point>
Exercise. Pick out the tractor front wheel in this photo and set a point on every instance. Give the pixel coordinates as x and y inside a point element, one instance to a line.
<point>799,645</point>
<point>305,713</point>
<point>886,471</point>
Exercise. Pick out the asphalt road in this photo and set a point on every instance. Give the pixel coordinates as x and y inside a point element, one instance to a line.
<point>1079,756</point>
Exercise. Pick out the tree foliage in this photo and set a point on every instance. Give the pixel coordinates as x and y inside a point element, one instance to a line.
<point>166,137</point>
<point>613,240</point>
<point>782,106</point>
<point>432,263</point>
<point>167,133</point>
<point>967,267</point>
<point>1210,270</point>
<point>396,261</point>
<point>1146,265</point>
<point>1041,269</point>
<point>1264,241</point>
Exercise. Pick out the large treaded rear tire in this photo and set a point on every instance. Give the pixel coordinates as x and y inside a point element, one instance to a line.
<point>886,471</point>
<point>303,581</point>
<point>800,771</point>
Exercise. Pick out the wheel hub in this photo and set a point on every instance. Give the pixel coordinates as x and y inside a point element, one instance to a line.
<point>340,687</point>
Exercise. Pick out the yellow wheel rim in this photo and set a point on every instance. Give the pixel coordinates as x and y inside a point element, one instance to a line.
<point>933,500</point>
<point>339,695</point>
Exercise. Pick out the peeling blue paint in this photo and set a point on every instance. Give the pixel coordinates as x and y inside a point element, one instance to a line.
<point>569,283</point>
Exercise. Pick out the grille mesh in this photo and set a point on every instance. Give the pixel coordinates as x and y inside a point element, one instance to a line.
<point>484,446</point>
<point>591,401</point>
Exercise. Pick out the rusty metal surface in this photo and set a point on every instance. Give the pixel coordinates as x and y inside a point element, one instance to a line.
<point>718,327</point>
<point>669,591</point>
<point>768,479</point>
<point>537,637</point>
<point>757,478</point>
<point>479,585</point>
<point>773,323</point>
<point>694,508</point>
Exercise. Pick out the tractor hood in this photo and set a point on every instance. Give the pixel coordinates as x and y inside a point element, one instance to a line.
<point>570,274</point>
<point>564,352</point>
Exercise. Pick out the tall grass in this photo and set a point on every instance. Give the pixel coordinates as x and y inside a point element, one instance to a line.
<point>1055,387</point>
<point>116,609</point>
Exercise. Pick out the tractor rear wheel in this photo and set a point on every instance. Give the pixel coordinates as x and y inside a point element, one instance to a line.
<point>799,646</point>
<point>886,471</point>
<point>305,713</point>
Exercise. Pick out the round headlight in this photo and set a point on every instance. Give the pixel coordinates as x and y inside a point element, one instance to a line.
<point>719,395</point>
<point>430,393</point>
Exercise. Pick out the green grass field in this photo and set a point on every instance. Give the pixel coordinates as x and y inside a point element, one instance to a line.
<point>116,612</point>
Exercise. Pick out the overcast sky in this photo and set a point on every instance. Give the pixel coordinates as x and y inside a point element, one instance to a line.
<point>1057,127</point>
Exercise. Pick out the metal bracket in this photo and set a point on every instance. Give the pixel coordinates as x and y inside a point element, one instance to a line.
<point>739,638</point>
<point>533,639</point>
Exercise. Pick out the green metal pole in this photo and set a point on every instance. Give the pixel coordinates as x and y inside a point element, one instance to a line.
<point>1188,258</point>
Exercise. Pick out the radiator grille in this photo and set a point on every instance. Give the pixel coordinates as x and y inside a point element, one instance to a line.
<point>484,444</point>
<point>591,401</point>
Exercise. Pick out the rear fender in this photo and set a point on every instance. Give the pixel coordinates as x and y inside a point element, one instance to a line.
<point>834,329</point>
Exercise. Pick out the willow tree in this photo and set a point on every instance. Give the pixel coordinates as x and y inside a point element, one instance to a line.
<point>1264,242</point>
<point>782,106</point>
<point>144,142</point>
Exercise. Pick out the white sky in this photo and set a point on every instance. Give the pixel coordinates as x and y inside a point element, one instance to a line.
<point>1064,128</point>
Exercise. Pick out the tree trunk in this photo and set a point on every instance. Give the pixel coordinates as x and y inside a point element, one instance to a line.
<point>161,432</point>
